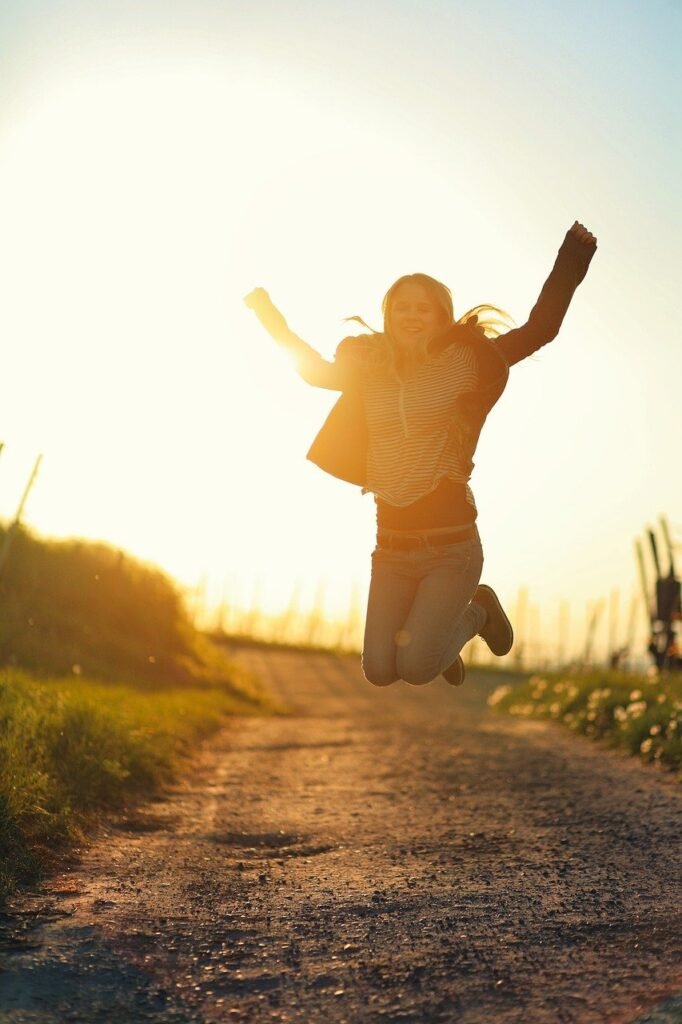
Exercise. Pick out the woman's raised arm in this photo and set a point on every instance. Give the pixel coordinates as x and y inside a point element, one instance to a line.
<point>312,367</point>
<point>570,267</point>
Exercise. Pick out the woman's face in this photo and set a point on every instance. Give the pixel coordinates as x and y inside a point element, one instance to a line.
<point>413,315</point>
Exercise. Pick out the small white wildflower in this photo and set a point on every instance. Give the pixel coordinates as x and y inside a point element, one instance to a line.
<point>636,709</point>
<point>636,695</point>
<point>497,695</point>
<point>646,745</point>
<point>655,729</point>
<point>619,713</point>
<point>555,708</point>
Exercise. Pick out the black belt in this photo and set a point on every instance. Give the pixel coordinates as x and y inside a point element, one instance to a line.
<point>425,540</point>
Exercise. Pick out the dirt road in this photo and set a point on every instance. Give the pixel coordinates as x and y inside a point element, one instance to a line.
<point>379,855</point>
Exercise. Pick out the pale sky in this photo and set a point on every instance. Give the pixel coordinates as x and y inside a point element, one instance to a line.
<point>158,160</point>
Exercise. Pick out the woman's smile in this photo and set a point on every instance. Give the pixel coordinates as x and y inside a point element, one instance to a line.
<point>413,314</point>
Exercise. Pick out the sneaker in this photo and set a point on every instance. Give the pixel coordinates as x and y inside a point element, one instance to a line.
<point>497,631</point>
<point>455,674</point>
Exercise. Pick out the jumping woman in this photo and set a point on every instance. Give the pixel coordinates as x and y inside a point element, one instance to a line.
<point>414,400</point>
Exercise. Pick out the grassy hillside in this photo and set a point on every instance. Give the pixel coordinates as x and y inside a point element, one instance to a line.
<point>74,607</point>
<point>105,689</point>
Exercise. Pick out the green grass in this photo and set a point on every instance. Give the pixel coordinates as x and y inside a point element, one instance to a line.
<point>72,750</point>
<point>106,688</point>
<point>71,606</point>
<point>635,713</point>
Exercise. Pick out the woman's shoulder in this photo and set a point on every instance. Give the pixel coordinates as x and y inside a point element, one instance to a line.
<point>358,349</point>
<point>456,337</point>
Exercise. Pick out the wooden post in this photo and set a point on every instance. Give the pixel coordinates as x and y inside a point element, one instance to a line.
<point>643,580</point>
<point>632,625</point>
<point>316,616</point>
<point>654,552</point>
<point>520,652</point>
<point>669,544</point>
<point>534,645</point>
<point>564,625</point>
<point>613,627</point>
<point>593,615</point>
<point>254,617</point>
<point>292,616</point>
<point>350,627</point>
<point>13,528</point>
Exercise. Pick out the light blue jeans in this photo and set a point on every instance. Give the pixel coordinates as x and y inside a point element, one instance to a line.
<point>419,611</point>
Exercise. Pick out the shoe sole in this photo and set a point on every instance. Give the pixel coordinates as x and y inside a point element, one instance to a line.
<point>506,645</point>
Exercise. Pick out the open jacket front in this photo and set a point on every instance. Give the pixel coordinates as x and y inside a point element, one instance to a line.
<point>340,447</point>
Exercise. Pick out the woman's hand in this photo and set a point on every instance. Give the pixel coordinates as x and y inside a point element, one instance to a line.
<point>258,299</point>
<point>272,320</point>
<point>580,232</point>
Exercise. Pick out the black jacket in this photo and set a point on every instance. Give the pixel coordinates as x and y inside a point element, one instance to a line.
<point>340,447</point>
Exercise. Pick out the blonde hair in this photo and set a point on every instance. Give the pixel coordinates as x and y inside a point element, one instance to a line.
<point>491,321</point>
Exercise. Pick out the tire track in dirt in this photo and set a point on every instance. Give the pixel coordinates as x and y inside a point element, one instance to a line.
<point>395,854</point>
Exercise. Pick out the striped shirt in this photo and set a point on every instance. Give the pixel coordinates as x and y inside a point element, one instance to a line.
<point>413,467</point>
<point>410,447</point>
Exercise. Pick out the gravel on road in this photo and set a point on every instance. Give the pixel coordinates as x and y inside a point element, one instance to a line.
<point>377,855</point>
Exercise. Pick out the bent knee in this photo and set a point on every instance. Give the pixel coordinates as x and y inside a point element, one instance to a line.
<point>378,674</point>
<point>381,680</point>
<point>417,677</point>
<point>417,671</point>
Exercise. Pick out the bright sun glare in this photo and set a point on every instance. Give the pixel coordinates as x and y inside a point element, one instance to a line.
<point>139,204</point>
<point>135,223</point>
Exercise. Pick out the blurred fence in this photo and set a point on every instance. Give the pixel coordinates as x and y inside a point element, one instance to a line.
<point>606,631</point>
